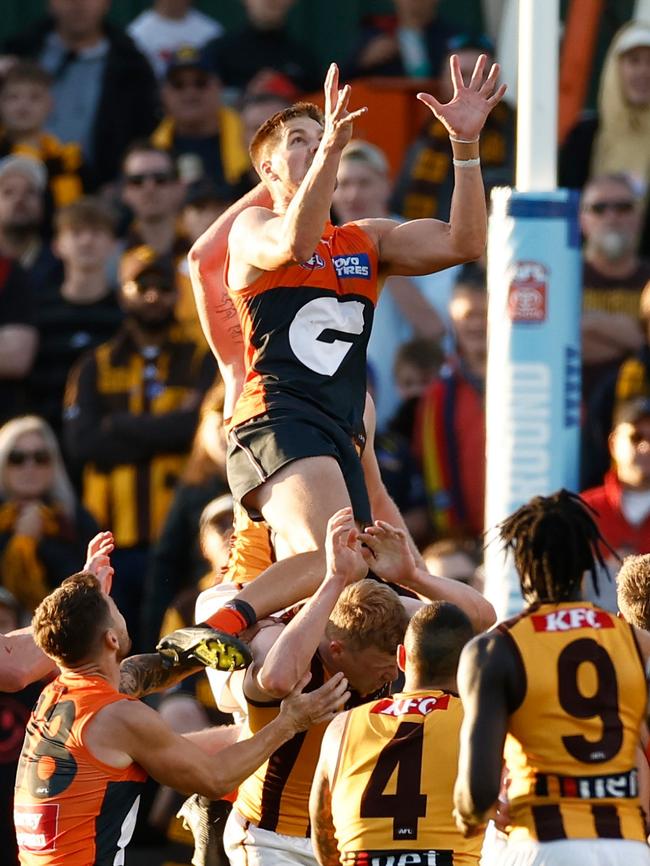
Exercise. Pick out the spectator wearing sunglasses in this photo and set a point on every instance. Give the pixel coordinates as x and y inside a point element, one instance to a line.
<point>613,276</point>
<point>154,194</point>
<point>44,530</point>
<point>204,137</point>
<point>131,408</point>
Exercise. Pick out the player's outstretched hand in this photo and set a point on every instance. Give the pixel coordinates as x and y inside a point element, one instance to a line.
<point>98,559</point>
<point>314,708</point>
<point>343,549</point>
<point>464,115</point>
<point>338,120</point>
<point>387,553</point>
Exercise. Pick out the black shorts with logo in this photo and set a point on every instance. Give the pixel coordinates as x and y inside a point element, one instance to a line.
<point>260,447</point>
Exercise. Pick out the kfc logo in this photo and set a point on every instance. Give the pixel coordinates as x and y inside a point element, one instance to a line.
<point>37,827</point>
<point>527,293</point>
<point>572,618</point>
<point>420,706</point>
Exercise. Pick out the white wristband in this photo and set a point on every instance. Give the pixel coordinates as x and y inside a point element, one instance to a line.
<point>466,163</point>
<point>463,140</point>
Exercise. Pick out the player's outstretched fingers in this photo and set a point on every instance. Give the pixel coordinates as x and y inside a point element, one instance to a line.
<point>330,699</point>
<point>476,81</point>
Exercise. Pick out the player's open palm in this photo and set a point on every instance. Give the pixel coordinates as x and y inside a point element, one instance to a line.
<point>464,115</point>
<point>388,553</point>
<point>98,560</point>
<point>338,120</point>
<point>317,707</point>
<point>343,548</point>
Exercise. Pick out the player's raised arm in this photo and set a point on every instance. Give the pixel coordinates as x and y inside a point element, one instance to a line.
<point>298,159</point>
<point>217,313</point>
<point>423,246</point>
<point>291,654</point>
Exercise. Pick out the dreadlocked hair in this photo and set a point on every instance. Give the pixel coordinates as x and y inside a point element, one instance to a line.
<point>554,540</point>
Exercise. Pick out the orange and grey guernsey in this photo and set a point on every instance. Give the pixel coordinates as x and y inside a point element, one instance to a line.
<point>306,329</point>
<point>393,784</point>
<point>276,796</point>
<point>71,809</point>
<point>571,746</point>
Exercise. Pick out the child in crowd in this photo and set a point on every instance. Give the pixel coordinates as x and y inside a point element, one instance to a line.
<point>25,104</point>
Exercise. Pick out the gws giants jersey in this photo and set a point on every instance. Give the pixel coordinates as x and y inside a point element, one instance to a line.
<point>306,329</point>
<point>392,789</point>
<point>571,745</point>
<point>70,809</point>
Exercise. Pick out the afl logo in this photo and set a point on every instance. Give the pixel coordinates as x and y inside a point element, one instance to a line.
<point>314,263</point>
<point>527,292</point>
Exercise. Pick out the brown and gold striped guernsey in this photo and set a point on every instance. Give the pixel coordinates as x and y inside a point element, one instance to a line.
<point>392,788</point>
<point>276,796</point>
<point>571,744</point>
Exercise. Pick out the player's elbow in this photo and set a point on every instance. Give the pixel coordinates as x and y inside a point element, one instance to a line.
<point>15,679</point>
<point>485,615</point>
<point>276,684</point>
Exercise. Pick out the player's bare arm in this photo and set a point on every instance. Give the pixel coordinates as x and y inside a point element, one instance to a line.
<point>144,674</point>
<point>487,684</point>
<point>382,506</point>
<point>21,661</point>
<point>217,313</point>
<point>423,246</point>
<point>290,655</point>
<point>129,731</point>
<point>301,172</point>
<point>323,836</point>
<point>389,556</point>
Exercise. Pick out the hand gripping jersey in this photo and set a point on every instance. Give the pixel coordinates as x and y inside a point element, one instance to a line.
<point>571,744</point>
<point>306,329</point>
<point>70,809</point>
<point>393,785</point>
<point>276,796</point>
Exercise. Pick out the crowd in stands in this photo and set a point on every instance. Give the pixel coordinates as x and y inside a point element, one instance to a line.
<point>117,150</point>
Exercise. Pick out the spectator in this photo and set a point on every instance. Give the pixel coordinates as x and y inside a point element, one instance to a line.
<point>450,423</point>
<point>204,137</point>
<point>130,413</point>
<point>25,103</point>
<point>263,43</point>
<point>411,42</point>
<point>617,138</point>
<point>154,194</point>
<point>456,559</point>
<point>105,93</point>
<point>18,336</point>
<point>403,311</point>
<point>613,276</point>
<point>169,25</point>
<point>204,202</point>
<point>177,560</point>
<point>44,531</point>
<point>79,313</point>
<point>23,183</point>
<point>426,180</point>
<point>622,502</point>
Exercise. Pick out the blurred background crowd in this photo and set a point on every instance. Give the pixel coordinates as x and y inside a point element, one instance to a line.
<point>124,131</point>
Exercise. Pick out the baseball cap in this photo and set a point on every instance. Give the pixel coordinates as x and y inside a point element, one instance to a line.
<point>364,151</point>
<point>632,411</point>
<point>34,169</point>
<point>145,260</point>
<point>188,57</point>
<point>635,35</point>
<point>205,191</point>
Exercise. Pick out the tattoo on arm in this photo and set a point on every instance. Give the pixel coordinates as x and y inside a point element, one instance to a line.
<point>324,838</point>
<point>143,674</point>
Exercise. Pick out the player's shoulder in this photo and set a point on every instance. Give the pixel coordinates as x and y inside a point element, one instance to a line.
<point>249,219</point>
<point>374,228</point>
